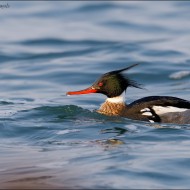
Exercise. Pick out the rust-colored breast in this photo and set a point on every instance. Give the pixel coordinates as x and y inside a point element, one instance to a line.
<point>109,108</point>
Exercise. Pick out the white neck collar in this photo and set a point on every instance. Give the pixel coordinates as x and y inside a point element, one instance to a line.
<point>117,99</point>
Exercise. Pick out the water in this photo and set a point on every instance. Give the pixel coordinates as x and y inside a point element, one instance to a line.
<point>49,140</point>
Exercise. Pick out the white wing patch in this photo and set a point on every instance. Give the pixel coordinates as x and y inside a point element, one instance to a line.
<point>159,110</point>
<point>146,111</point>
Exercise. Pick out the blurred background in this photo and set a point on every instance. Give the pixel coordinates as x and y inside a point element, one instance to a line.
<point>50,47</point>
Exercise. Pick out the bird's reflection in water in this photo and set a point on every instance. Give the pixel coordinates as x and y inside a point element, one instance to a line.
<point>114,141</point>
<point>111,143</point>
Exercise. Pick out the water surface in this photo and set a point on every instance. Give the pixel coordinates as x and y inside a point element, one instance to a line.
<point>49,140</point>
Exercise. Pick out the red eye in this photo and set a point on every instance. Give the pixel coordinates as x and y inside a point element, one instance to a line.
<point>100,84</point>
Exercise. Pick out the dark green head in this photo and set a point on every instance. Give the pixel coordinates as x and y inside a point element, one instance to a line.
<point>111,84</point>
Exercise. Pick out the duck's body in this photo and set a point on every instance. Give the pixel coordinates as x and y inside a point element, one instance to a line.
<point>164,109</point>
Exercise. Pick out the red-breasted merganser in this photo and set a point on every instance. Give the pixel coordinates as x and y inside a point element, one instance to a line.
<point>164,109</point>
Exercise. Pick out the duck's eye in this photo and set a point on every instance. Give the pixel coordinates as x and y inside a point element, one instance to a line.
<point>100,84</point>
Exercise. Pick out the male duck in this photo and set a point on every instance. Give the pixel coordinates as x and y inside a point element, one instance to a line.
<point>164,109</point>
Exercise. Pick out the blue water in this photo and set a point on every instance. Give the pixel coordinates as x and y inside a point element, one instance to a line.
<point>49,140</point>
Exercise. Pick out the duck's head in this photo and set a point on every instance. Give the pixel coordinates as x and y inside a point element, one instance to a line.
<point>111,84</point>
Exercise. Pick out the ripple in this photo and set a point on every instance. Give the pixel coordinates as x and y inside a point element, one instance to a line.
<point>165,53</point>
<point>96,7</point>
<point>58,41</point>
<point>49,48</point>
<point>4,102</point>
<point>136,26</point>
<point>62,132</point>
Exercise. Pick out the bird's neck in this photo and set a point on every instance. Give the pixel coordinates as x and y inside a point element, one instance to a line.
<point>117,99</point>
<point>113,106</point>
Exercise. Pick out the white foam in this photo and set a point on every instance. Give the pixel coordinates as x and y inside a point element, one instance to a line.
<point>66,131</point>
<point>179,74</point>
